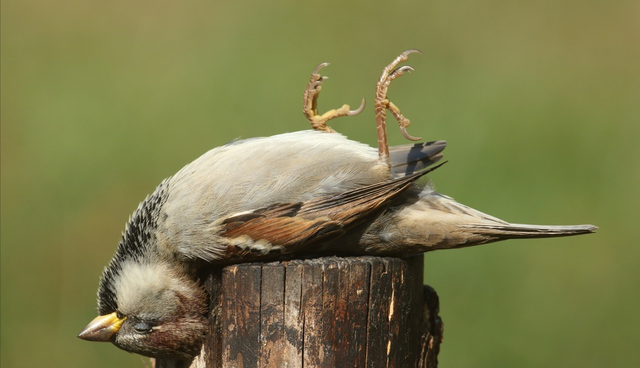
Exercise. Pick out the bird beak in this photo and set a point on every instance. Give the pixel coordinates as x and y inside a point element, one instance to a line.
<point>102,328</point>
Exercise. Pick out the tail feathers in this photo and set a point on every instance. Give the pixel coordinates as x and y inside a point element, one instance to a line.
<point>523,231</point>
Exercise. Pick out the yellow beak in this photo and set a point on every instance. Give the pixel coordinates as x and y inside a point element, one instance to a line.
<point>102,328</point>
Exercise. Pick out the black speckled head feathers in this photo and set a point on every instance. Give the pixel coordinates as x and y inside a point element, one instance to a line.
<point>136,243</point>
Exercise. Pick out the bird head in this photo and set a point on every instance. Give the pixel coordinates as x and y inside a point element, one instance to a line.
<point>150,308</point>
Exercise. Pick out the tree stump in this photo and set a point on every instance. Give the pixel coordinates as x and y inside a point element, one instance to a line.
<point>324,312</point>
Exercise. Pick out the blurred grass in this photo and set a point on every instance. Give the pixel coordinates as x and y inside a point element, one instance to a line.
<point>538,101</point>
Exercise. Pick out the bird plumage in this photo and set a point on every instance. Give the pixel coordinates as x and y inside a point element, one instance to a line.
<point>329,195</point>
<point>295,194</point>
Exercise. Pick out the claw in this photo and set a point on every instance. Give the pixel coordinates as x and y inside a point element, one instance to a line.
<point>411,51</point>
<point>407,135</point>
<point>316,83</point>
<point>399,71</point>
<point>310,103</point>
<point>320,66</point>
<point>359,109</point>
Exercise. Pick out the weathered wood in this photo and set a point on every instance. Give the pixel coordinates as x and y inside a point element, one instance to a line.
<point>432,331</point>
<point>324,312</point>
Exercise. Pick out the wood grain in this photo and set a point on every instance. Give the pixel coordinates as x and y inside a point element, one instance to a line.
<point>325,312</point>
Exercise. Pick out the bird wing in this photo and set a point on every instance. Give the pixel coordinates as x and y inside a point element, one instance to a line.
<point>411,158</point>
<point>283,228</point>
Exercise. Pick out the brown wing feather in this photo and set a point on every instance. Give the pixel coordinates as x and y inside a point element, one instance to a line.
<point>285,227</point>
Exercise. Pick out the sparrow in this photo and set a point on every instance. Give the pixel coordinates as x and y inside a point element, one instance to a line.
<point>297,194</point>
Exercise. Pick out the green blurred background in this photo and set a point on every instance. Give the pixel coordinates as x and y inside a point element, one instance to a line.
<point>539,101</point>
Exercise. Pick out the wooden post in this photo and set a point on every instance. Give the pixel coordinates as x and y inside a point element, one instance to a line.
<point>324,312</point>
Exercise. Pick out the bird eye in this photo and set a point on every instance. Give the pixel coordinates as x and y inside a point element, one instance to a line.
<point>142,327</point>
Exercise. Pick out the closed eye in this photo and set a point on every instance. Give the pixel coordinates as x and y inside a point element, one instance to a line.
<point>143,327</point>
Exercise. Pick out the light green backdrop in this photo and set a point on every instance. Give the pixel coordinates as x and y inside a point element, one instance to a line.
<point>539,101</point>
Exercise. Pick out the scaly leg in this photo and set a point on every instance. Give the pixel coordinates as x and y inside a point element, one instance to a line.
<point>310,103</point>
<point>382,103</point>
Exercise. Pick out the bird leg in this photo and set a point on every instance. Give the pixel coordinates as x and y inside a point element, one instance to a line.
<point>310,103</point>
<point>382,103</point>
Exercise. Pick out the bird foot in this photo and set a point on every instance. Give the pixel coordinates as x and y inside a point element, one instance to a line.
<point>382,103</point>
<point>310,103</point>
